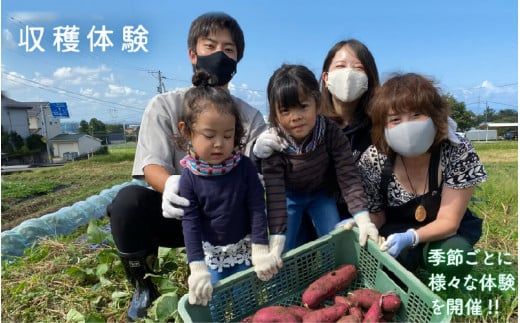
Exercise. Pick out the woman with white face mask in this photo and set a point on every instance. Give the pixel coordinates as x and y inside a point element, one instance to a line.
<point>419,176</point>
<point>347,81</point>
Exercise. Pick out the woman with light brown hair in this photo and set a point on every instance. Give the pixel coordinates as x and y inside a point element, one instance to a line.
<point>419,175</point>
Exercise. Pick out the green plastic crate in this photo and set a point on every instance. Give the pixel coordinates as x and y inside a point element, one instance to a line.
<point>242,294</point>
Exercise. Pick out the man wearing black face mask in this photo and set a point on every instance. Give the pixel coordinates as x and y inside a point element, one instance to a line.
<point>142,219</point>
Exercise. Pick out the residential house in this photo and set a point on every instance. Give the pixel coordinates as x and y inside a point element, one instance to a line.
<point>36,120</point>
<point>79,144</point>
<point>15,116</point>
<point>115,138</point>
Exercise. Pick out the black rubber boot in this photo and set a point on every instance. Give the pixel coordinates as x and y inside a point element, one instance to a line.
<point>136,265</point>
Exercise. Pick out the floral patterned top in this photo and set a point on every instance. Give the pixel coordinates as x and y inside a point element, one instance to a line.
<point>460,167</point>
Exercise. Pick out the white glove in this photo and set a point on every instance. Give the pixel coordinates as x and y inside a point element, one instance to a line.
<point>264,262</point>
<point>199,284</point>
<point>276,245</point>
<point>346,224</point>
<point>366,228</point>
<point>268,142</point>
<point>171,201</point>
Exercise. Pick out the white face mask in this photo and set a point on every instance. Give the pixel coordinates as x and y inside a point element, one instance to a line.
<point>411,138</point>
<point>347,84</point>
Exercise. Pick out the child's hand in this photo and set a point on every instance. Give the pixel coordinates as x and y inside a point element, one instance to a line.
<point>367,229</point>
<point>199,283</point>
<point>171,201</point>
<point>264,262</point>
<point>276,245</point>
<point>268,142</point>
<point>346,224</point>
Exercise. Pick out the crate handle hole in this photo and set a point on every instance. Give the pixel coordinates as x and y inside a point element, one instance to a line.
<point>393,277</point>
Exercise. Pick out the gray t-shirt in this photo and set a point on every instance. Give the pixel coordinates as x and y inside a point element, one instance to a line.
<point>159,124</point>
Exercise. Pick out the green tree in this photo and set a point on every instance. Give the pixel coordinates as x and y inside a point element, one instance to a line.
<point>114,128</point>
<point>84,127</point>
<point>6,147</point>
<point>488,115</point>
<point>507,115</point>
<point>16,140</point>
<point>465,119</point>
<point>35,142</point>
<point>97,127</point>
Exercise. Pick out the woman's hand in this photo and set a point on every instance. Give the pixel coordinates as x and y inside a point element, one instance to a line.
<point>395,243</point>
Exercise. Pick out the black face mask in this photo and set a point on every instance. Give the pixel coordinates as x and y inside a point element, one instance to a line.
<point>219,65</point>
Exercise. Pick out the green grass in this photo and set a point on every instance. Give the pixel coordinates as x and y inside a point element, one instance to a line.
<point>496,202</point>
<point>24,194</point>
<point>62,278</point>
<point>20,190</point>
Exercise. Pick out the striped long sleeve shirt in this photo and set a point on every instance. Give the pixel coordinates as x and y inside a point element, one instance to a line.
<point>329,166</point>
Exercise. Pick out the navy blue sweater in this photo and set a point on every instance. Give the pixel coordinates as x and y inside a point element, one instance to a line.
<point>223,209</point>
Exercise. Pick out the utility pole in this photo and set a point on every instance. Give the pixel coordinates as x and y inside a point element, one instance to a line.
<point>487,125</point>
<point>160,88</point>
<point>124,132</point>
<point>44,129</point>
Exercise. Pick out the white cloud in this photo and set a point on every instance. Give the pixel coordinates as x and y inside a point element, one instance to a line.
<point>77,81</point>
<point>498,97</point>
<point>109,78</point>
<point>63,72</point>
<point>43,80</point>
<point>117,90</point>
<point>487,85</point>
<point>26,17</point>
<point>67,72</point>
<point>8,39</point>
<point>13,80</point>
<point>89,92</point>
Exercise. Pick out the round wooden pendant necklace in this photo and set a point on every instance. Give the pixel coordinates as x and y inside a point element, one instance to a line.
<point>420,211</point>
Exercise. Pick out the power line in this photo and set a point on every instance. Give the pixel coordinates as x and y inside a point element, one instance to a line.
<point>509,105</point>
<point>41,85</point>
<point>160,78</point>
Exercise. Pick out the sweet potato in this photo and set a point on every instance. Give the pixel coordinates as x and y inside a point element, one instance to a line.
<point>357,312</point>
<point>349,319</point>
<point>390,302</point>
<point>248,319</point>
<point>329,284</point>
<point>274,314</point>
<point>364,297</point>
<point>327,314</point>
<point>374,313</point>
<point>343,300</point>
<point>298,311</point>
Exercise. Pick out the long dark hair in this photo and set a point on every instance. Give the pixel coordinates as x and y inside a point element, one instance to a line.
<point>366,58</point>
<point>203,96</point>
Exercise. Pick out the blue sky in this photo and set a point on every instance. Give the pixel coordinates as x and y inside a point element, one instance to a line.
<point>469,47</point>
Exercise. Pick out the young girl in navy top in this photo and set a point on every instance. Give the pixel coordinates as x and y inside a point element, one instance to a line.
<point>225,226</point>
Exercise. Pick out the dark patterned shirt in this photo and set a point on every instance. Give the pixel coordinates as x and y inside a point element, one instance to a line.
<point>460,167</point>
<point>330,165</point>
